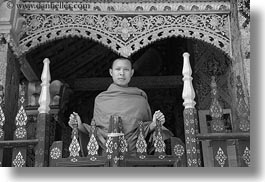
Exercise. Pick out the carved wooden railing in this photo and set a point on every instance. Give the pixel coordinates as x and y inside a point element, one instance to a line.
<point>190,155</point>
<point>190,116</point>
<point>217,146</point>
<point>116,153</point>
<point>21,143</point>
<point>222,145</point>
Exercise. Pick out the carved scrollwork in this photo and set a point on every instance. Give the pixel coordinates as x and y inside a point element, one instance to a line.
<point>21,117</point>
<point>125,35</point>
<point>55,153</point>
<point>242,109</point>
<point>2,115</point>
<point>179,150</point>
<point>246,156</point>
<point>19,160</point>
<point>92,146</point>
<point>216,110</point>
<point>244,9</point>
<point>1,133</point>
<point>74,148</point>
<point>220,157</point>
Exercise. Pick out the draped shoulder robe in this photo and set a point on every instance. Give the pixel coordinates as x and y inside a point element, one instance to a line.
<point>130,103</point>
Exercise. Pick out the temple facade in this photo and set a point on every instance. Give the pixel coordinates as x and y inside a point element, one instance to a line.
<point>192,58</point>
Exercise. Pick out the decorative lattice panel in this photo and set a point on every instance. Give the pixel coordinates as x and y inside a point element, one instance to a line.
<point>124,34</point>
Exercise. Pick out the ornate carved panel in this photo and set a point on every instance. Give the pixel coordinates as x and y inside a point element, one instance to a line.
<point>124,27</point>
<point>124,34</point>
<point>208,62</point>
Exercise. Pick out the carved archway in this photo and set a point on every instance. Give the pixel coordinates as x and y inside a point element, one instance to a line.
<point>124,34</point>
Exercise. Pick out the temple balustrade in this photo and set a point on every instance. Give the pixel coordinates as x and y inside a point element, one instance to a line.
<point>209,138</point>
<point>116,153</point>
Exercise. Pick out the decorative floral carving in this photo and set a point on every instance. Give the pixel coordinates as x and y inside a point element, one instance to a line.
<point>125,30</point>
<point>125,35</point>
<point>74,147</point>
<point>244,9</point>
<point>19,160</point>
<point>159,143</point>
<point>21,117</point>
<point>141,144</point>
<point>20,132</point>
<point>221,157</point>
<point>2,116</point>
<point>179,150</point>
<point>242,109</point>
<point>92,146</point>
<point>210,62</point>
<point>109,145</point>
<point>216,110</point>
<point>55,153</point>
<point>123,144</point>
<point>1,133</point>
<point>246,156</point>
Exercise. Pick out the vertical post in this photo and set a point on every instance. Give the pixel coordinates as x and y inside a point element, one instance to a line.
<point>159,143</point>
<point>116,145</point>
<point>189,113</point>
<point>9,70</point>
<point>44,99</point>
<point>9,76</point>
<point>74,147</point>
<point>243,120</point>
<point>93,146</point>
<point>42,149</point>
<point>2,120</point>
<point>141,144</point>
<point>20,153</point>
<point>217,126</point>
<point>238,66</point>
<point>242,108</point>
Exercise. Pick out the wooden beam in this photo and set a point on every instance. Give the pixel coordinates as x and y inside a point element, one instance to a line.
<point>223,136</point>
<point>27,70</point>
<point>87,84</point>
<point>18,143</point>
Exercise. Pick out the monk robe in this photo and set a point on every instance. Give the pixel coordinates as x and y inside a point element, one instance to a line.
<point>130,103</point>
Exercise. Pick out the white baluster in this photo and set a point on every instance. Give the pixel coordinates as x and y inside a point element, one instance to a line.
<point>44,99</point>
<point>188,93</point>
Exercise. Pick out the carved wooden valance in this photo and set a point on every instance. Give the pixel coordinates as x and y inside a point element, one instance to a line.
<point>123,27</point>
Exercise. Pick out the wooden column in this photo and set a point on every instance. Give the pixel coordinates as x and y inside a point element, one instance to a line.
<point>42,149</point>
<point>237,59</point>
<point>243,120</point>
<point>2,120</point>
<point>19,154</point>
<point>240,93</point>
<point>189,114</point>
<point>217,126</point>
<point>9,76</point>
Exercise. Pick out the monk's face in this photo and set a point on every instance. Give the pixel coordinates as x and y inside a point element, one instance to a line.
<point>121,72</point>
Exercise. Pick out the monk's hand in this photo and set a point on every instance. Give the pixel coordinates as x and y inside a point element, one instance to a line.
<point>158,115</point>
<point>74,119</point>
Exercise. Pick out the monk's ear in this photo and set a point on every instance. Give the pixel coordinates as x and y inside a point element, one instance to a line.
<point>132,72</point>
<point>110,72</point>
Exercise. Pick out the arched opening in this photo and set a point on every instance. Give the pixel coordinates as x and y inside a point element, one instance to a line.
<point>75,58</point>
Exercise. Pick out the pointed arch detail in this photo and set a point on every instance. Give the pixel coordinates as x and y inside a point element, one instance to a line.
<point>124,34</point>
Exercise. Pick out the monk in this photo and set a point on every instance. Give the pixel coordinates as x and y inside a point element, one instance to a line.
<point>130,103</point>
